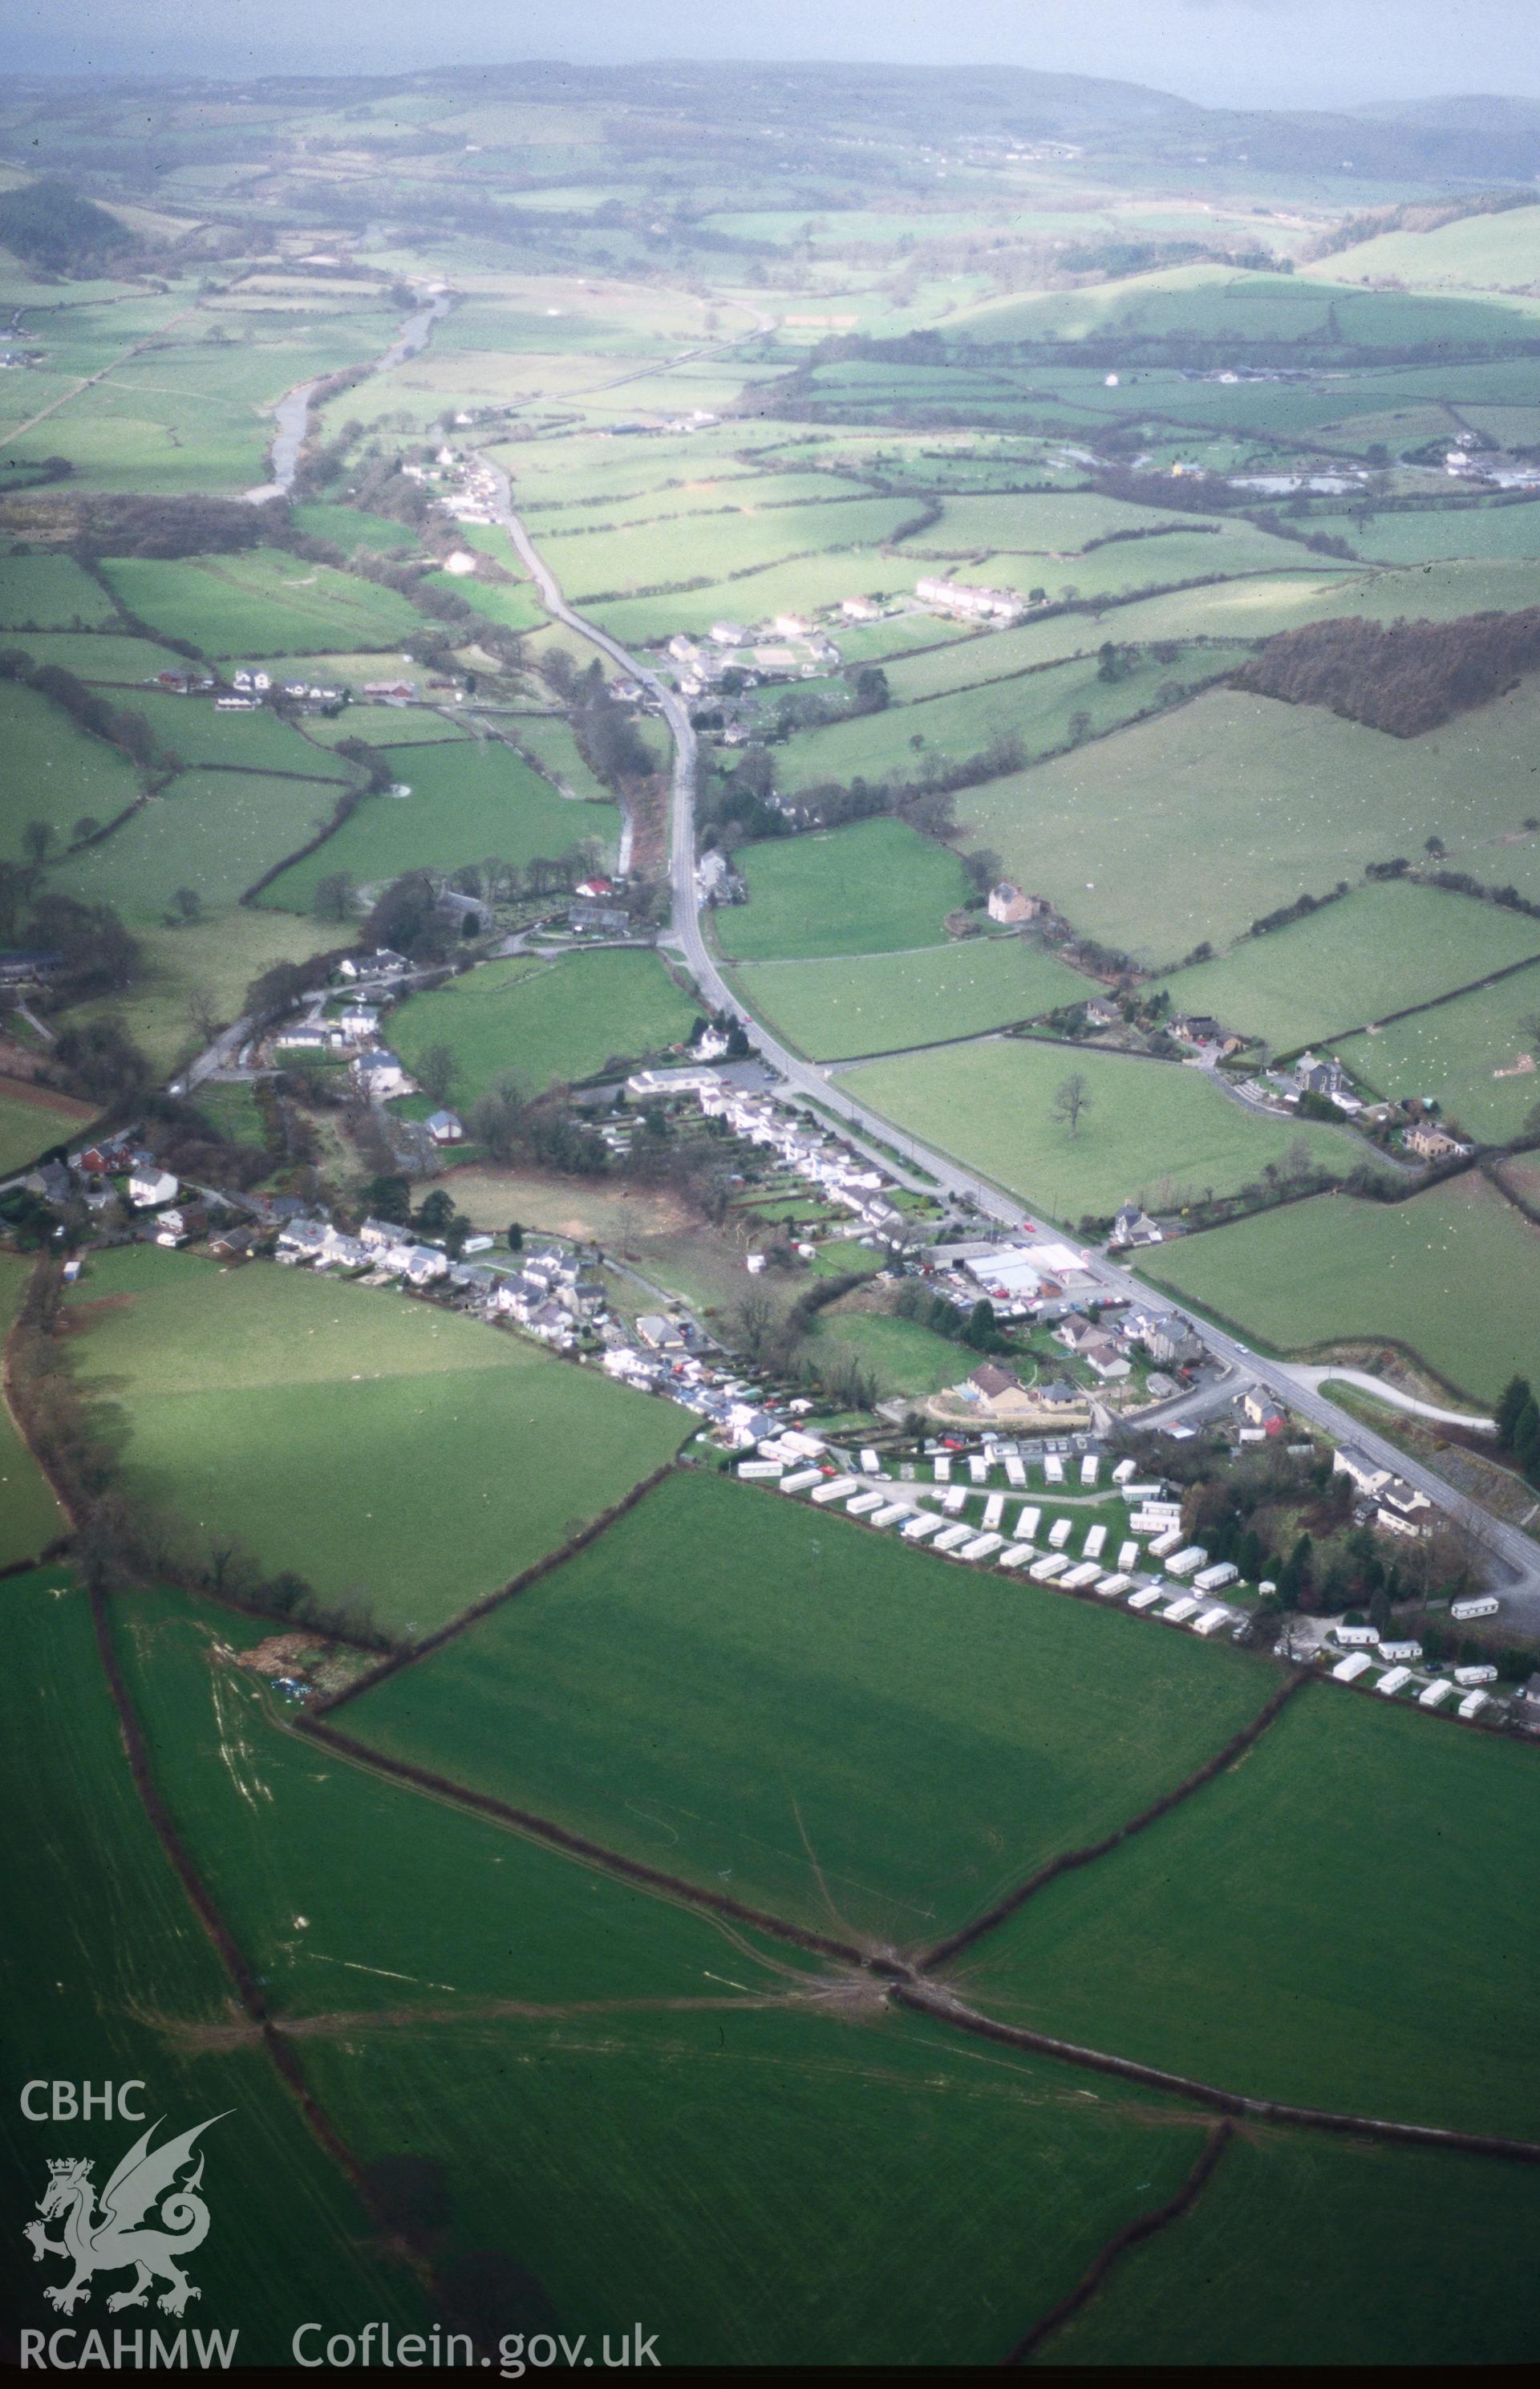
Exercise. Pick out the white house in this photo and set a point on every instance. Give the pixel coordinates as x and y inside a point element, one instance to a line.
<point>148,1187</point>
<point>380,1074</point>
<point>446,1128</point>
<point>974,604</point>
<point>384,963</point>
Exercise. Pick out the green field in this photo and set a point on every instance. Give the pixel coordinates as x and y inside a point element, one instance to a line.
<point>686,548</point>
<point>926,2198</point>
<point>375,1445</point>
<point>1416,2258</point>
<point>1057,523</point>
<point>116,1981</point>
<point>282,1830</point>
<point>468,802</point>
<point>747,1693</point>
<point>541,1021</point>
<point>803,583</point>
<point>1477,252</point>
<point>877,1003</point>
<point>1046,711</point>
<point>1215,302</point>
<point>1469,1053</point>
<point>50,592</point>
<point>551,746</point>
<point>874,888</point>
<point>99,656</point>
<point>1382,950</point>
<point>1278,800</point>
<point>30,1517</point>
<point>1506,532</point>
<point>260,602</point>
<point>57,772</point>
<point>215,832</point>
<point>380,725</point>
<point>1450,1274</point>
<point>1151,1131</point>
<point>352,526</point>
<point>186,413</point>
<point>1123,567</point>
<point>33,1119</point>
<point>904,1356</point>
<point>219,957</point>
<point>1265,1933</point>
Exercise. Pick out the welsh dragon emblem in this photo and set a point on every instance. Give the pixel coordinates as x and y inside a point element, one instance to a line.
<point>118,2236</point>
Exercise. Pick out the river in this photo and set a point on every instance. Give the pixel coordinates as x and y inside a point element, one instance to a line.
<point>291,415</point>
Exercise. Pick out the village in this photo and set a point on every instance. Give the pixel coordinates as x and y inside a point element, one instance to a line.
<point>1019,1465</point>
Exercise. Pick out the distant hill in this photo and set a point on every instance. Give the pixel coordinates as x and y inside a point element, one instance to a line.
<point>1438,141</point>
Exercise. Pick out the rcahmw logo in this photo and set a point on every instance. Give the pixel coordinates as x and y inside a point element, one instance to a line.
<point>146,2219</point>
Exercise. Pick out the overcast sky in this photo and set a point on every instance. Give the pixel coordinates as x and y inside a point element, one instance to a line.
<point>1240,53</point>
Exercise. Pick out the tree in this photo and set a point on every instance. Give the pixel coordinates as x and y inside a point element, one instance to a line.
<point>187,906</point>
<point>334,896</point>
<point>99,1059</point>
<point>388,1197</point>
<point>203,1014</point>
<point>1071,1100</point>
<point>1514,1399</point>
<point>36,840</point>
<point>981,1331</point>
<point>1526,1441</point>
<point>438,1072</point>
<point>516,1238</point>
<point>87,828</point>
<point>753,1325</point>
<point>1079,727</point>
<point>434,1212</point>
<point>983,867</point>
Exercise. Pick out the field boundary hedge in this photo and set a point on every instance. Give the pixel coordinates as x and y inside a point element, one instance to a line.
<point>1407,1011</point>
<point>346,803</point>
<point>1142,2227</point>
<point>1069,1861</point>
<point>546,1829</point>
<point>509,1592</point>
<point>924,1999</point>
<point>245,1984</point>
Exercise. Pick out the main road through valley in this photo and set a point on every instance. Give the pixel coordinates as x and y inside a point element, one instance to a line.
<point>1514,1560</point>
